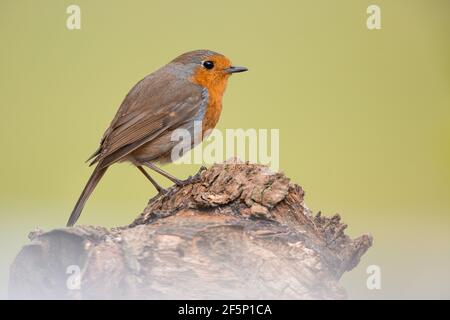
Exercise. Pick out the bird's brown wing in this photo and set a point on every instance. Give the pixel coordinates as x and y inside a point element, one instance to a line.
<point>157,103</point>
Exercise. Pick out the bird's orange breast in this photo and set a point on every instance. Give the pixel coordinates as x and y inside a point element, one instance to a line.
<point>213,110</point>
<point>216,87</point>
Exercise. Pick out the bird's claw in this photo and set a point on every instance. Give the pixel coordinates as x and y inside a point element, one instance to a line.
<point>162,192</point>
<point>189,180</point>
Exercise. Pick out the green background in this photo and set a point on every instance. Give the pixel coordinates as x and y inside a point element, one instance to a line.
<point>364,116</point>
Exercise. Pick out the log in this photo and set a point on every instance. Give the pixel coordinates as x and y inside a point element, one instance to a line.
<point>237,231</point>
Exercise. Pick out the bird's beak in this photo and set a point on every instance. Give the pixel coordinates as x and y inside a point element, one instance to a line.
<point>234,69</point>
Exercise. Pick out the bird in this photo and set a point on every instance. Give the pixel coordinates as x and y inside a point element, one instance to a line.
<point>188,89</point>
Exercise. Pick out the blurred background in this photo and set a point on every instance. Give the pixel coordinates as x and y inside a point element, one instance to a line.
<point>364,115</point>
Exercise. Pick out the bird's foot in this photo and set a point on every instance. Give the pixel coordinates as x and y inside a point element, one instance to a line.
<point>189,180</point>
<point>162,191</point>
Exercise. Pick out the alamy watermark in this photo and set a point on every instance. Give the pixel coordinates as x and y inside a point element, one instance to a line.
<point>73,281</point>
<point>373,21</point>
<point>73,21</point>
<point>252,145</point>
<point>373,281</point>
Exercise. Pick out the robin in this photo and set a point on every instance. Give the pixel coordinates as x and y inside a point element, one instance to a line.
<point>188,89</point>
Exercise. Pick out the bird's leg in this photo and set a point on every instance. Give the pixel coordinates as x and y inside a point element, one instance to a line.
<point>175,180</point>
<point>160,189</point>
<point>165,174</point>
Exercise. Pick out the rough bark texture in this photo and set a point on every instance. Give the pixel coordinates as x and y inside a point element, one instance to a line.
<point>239,231</point>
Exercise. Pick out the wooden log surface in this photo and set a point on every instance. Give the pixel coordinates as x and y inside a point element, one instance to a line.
<point>238,231</point>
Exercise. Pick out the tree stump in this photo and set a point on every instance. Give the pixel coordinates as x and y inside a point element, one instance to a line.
<point>237,231</point>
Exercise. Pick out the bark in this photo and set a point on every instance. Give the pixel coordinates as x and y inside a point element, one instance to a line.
<point>238,231</point>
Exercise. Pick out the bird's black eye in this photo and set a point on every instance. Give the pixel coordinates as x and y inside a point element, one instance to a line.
<point>208,64</point>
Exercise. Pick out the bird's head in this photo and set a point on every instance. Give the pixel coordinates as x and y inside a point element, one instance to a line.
<point>207,68</point>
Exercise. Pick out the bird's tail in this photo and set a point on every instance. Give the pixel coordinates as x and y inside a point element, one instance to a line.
<point>90,186</point>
